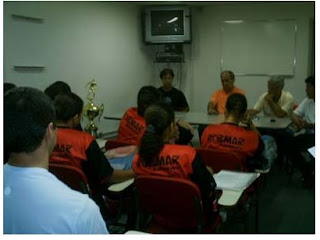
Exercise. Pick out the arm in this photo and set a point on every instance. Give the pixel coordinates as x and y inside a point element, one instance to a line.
<point>252,112</point>
<point>212,108</point>
<point>183,105</point>
<point>121,175</point>
<point>276,109</point>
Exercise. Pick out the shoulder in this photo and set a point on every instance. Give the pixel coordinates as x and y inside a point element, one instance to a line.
<point>180,149</point>
<point>238,90</point>
<point>75,134</point>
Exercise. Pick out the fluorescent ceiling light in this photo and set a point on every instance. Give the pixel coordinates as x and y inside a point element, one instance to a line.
<point>234,21</point>
<point>173,20</point>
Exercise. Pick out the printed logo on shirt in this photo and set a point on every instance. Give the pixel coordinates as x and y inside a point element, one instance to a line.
<point>133,124</point>
<point>167,100</point>
<point>165,163</point>
<point>62,148</point>
<point>226,140</point>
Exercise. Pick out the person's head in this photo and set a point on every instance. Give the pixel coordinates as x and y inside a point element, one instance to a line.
<point>160,127</point>
<point>166,76</point>
<point>57,88</point>
<point>147,95</point>
<point>29,121</point>
<point>8,86</point>
<point>310,87</point>
<point>227,80</point>
<point>69,109</point>
<point>236,105</point>
<point>275,86</point>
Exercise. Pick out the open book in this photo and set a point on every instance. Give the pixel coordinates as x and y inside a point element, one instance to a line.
<point>236,181</point>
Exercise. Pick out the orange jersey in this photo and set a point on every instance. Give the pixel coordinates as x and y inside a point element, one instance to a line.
<point>173,161</point>
<point>220,97</point>
<point>71,147</point>
<point>132,127</point>
<point>230,137</point>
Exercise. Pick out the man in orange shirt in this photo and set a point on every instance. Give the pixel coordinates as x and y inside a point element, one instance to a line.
<point>219,98</point>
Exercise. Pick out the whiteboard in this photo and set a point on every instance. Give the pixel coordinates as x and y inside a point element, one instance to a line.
<point>262,48</point>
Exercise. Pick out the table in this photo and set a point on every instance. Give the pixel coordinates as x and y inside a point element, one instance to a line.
<point>196,118</point>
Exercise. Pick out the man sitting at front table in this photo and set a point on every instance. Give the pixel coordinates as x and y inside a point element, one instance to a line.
<point>219,98</point>
<point>34,200</point>
<point>275,102</point>
<point>230,137</point>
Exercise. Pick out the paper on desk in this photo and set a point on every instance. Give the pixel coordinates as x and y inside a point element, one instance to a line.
<point>237,181</point>
<point>101,142</point>
<point>312,151</point>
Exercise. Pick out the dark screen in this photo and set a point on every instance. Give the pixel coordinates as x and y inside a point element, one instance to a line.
<point>163,22</point>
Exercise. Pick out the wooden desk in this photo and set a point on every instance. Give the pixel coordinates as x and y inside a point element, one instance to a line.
<point>118,187</point>
<point>196,118</point>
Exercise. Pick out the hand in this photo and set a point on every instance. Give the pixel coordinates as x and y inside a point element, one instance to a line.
<point>268,98</point>
<point>212,108</point>
<point>246,119</point>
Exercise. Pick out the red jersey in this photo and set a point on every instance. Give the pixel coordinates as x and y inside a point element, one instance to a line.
<point>231,137</point>
<point>132,127</point>
<point>71,147</point>
<point>173,161</point>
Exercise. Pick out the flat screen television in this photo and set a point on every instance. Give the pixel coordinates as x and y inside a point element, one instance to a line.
<point>167,24</point>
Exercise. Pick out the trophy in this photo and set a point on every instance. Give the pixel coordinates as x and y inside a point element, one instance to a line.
<point>91,110</point>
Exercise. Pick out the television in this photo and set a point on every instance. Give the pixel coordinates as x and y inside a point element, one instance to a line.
<point>167,24</point>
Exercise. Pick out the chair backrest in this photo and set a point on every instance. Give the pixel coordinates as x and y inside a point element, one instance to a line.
<point>173,202</point>
<point>70,175</point>
<point>114,143</point>
<point>222,160</point>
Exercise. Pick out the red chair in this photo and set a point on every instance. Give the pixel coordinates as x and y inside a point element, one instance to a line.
<point>222,160</point>
<point>175,205</point>
<point>114,143</point>
<point>72,176</point>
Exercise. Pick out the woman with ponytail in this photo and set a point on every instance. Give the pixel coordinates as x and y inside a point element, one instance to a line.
<point>157,157</point>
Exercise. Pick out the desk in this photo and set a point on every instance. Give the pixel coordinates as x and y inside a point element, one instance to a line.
<point>196,118</point>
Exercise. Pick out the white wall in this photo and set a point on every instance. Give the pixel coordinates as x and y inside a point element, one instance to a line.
<point>76,42</point>
<point>79,41</point>
<point>206,48</point>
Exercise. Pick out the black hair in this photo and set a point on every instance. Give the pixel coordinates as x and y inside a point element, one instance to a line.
<point>231,74</point>
<point>310,80</point>
<point>147,95</point>
<point>27,114</point>
<point>8,86</point>
<point>67,106</point>
<point>57,88</point>
<point>158,117</point>
<point>166,71</point>
<point>237,104</point>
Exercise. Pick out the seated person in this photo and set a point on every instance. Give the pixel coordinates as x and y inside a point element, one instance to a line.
<point>155,144</point>
<point>132,124</point>
<point>275,102</point>
<point>57,88</point>
<point>80,148</point>
<point>8,86</point>
<point>34,200</point>
<point>229,136</point>
<point>170,94</point>
<point>304,119</point>
<point>219,98</point>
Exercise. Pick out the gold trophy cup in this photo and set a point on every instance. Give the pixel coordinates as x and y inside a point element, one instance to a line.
<point>91,110</point>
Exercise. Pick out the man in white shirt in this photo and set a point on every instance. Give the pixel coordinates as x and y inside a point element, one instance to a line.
<point>275,102</point>
<point>34,200</point>
<point>304,119</point>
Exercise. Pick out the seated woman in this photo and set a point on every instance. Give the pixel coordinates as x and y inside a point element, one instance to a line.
<point>80,149</point>
<point>229,136</point>
<point>154,145</point>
